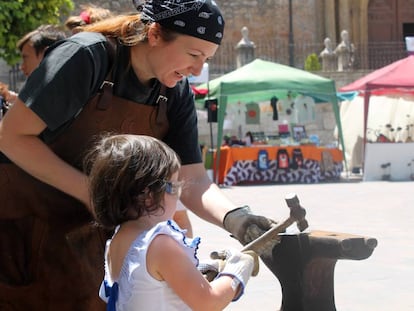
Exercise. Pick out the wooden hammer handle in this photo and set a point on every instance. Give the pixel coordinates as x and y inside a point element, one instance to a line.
<point>293,203</point>
<point>271,234</point>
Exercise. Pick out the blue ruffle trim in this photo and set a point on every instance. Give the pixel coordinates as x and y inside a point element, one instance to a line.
<point>192,243</point>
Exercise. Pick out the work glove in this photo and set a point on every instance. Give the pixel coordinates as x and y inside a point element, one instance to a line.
<point>240,266</point>
<point>210,268</point>
<point>244,225</point>
<point>224,255</point>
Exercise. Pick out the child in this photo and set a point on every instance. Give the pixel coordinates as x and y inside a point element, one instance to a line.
<point>149,263</point>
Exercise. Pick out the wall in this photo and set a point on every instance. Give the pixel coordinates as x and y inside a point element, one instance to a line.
<point>264,18</point>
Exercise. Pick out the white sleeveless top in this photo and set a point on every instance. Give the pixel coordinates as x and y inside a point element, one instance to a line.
<point>138,290</point>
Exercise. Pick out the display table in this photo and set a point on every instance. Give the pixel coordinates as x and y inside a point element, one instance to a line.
<point>394,160</point>
<point>240,165</point>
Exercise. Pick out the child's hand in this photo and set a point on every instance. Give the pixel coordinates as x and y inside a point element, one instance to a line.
<point>210,268</point>
<point>239,265</point>
<point>227,253</point>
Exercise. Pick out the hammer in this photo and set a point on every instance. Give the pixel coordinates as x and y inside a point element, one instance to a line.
<point>297,214</point>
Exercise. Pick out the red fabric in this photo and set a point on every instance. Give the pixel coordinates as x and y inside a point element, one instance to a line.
<point>198,91</point>
<point>84,15</point>
<point>397,77</point>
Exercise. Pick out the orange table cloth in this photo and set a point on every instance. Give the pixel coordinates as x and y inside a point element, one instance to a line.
<point>230,157</point>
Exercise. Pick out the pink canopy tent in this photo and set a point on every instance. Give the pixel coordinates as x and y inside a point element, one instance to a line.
<point>396,78</point>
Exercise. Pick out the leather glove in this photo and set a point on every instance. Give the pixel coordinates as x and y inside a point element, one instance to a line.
<point>210,268</point>
<point>244,225</point>
<point>240,266</point>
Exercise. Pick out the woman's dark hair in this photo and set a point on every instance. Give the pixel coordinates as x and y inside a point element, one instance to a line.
<point>127,175</point>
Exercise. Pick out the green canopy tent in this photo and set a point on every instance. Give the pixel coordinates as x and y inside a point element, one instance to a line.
<point>260,80</point>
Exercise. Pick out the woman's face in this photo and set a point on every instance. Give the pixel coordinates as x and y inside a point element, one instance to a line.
<point>171,61</point>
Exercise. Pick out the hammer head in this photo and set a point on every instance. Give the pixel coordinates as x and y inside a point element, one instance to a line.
<point>297,211</point>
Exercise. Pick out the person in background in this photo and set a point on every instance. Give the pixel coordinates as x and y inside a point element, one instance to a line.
<point>149,262</point>
<point>90,14</point>
<point>226,140</point>
<point>248,139</point>
<point>32,47</point>
<point>125,74</point>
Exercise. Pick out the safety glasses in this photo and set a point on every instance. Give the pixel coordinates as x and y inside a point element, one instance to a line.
<point>173,187</point>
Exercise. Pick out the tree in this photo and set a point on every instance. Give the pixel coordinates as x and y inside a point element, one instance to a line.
<point>312,63</point>
<point>18,17</point>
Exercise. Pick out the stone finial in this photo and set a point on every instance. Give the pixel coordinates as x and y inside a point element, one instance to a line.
<point>328,56</point>
<point>345,52</point>
<point>245,49</point>
<point>245,41</point>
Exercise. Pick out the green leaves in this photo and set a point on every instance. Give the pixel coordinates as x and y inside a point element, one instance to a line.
<point>312,63</point>
<point>19,17</point>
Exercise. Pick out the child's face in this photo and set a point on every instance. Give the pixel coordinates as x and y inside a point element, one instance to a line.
<point>172,195</point>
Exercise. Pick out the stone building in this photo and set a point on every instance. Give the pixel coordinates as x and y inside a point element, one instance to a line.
<point>372,26</point>
<point>280,28</point>
<point>276,25</point>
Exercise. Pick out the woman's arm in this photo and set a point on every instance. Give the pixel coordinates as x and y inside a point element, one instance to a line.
<point>202,196</point>
<point>69,74</point>
<point>19,130</point>
<point>207,201</point>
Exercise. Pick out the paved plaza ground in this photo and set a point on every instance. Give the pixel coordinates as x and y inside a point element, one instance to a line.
<point>383,210</point>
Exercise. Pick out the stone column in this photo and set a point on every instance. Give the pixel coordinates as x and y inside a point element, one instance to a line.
<point>330,22</point>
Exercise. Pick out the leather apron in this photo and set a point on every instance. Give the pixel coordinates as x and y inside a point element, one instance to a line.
<point>51,252</point>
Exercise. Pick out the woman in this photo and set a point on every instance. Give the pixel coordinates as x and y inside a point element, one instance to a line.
<point>64,105</point>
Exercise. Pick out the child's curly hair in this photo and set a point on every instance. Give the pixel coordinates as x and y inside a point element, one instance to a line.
<point>126,172</point>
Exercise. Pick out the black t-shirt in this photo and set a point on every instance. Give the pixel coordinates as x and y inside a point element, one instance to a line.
<point>72,72</point>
